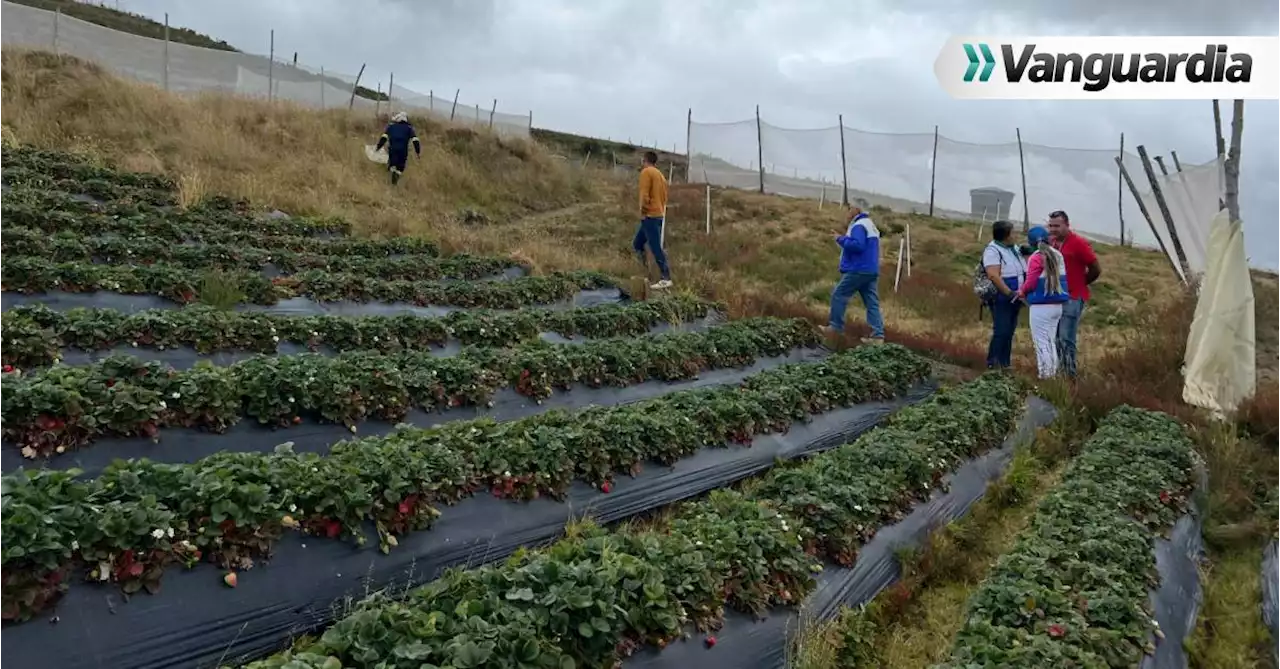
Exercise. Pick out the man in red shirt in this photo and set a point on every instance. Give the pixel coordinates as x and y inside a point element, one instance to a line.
<point>1082,270</point>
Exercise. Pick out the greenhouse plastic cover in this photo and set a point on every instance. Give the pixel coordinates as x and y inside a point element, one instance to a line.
<point>196,621</point>
<point>1220,367</point>
<point>744,643</point>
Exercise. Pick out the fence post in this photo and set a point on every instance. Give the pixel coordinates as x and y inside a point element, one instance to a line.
<point>1120,190</point>
<point>492,111</point>
<point>1164,211</point>
<point>166,51</point>
<point>933,176</point>
<point>844,168</point>
<point>377,100</point>
<point>271,68</point>
<point>322,87</point>
<point>1160,161</point>
<point>1022,164</point>
<point>453,110</point>
<point>1177,164</point>
<point>57,12</point>
<point>354,86</point>
<point>431,99</point>
<point>1142,209</point>
<point>391,84</point>
<point>708,208</point>
<point>688,133</point>
<point>760,148</point>
<point>530,121</point>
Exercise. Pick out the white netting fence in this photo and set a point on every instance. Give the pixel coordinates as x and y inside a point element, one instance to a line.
<point>897,170</point>
<point>187,69</point>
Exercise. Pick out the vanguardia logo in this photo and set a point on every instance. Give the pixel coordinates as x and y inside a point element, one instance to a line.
<point>1216,64</point>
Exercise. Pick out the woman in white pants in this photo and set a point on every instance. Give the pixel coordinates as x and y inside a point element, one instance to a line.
<point>1045,291</point>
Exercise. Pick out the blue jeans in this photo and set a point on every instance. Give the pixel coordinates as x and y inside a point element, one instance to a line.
<point>1067,329</point>
<point>852,283</point>
<point>650,233</point>
<point>1004,322</point>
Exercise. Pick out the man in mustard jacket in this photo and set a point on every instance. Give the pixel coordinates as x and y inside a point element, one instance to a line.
<point>653,213</point>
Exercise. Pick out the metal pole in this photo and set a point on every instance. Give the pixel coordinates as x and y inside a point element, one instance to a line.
<point>271,68</point>
<point>708,208</point>
<point>355,86</point>
<point>166,51</point>
<point>760,148</point>
<point>1160,161</point>
<point>1142,209</point>
<point>1022,163</point>
<point>688,133</point>
<point>933,174</point>
<point>431,99</point>
<point>377,100</point>
<point>391,84</point>
<point>844,167</point>
<point>1164,211</point>
<point>57,12</point>
<point>492,111</point>
<point>322,87</point>
<point>1120,190</point>
<point>454,109</point>
<point>1177,164</point>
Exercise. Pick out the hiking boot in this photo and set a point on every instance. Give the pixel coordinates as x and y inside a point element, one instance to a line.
<point>662,285</point>
<point>874,341</point>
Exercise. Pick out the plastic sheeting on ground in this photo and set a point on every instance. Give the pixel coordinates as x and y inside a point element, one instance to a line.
<point>294,306</point>
<point>184,357</point>
<point>744,643</point>
<point>1220,367</point>
<point>1177,599</point>
<point>1270,583</point>
<point>195,621</point>
<point>185,445</point>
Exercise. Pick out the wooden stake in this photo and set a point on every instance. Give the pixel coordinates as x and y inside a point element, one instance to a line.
<point>760,147</point>
<point>1177,165</point>
<point>1164,211</point>
<point>933,172</point>
<point>271,68</point>
<point>351,104</point>
<point>1120,191</point>
<point>391,86</point>
<point>454,109</point>
<point>1142,209</point>
<point>844,169</point>
<point>897,274</point>
<point>1232,166</point>
<point>688,134</point>
<point>1160,161</point>
<point>493,110</point>
<point>166,51</point>
<point>1026,212</point>
<point>708,209</point>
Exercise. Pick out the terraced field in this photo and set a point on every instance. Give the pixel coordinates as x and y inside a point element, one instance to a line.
<point>234,438</point>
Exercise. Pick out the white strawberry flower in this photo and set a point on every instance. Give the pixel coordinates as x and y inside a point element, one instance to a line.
<point>157,533</point>
<point>293,508</point>
<point>275,339</point>
<point>857,507</point>
<point>290,400</point>
<point>75,545</point>
<point>176,395</point>
<point>169,532</point>
<point>163,405</point>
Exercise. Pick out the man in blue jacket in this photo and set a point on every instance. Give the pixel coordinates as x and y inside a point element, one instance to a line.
<point>859,272</point>
<point>397,137</point>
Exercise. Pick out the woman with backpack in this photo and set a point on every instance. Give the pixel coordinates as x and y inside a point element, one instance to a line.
<point>1045,291</point>
<point>1003,272</point>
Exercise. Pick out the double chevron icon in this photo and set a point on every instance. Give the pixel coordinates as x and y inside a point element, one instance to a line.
<point>974,61</point>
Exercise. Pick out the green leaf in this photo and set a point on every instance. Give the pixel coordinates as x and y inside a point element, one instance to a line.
<point>586,630</point>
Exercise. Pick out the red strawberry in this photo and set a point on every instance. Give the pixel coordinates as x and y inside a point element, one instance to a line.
<point>111,383</point>
<point>135,569</point>
<point>404,508</point>
<point>605,487</point>
<point>297,420</point>
<point>1165,496</point>
<point>332,528</point>
<point>711,642</point>
<point>230,579</point>
<point>1057,631</point>
<point>8,368</point>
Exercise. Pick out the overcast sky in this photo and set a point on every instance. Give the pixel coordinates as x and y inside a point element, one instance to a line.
<point>630,70</point>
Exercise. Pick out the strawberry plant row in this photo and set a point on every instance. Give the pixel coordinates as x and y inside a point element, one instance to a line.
<point>61,408</point>
<point>138,516</point>
<point>28,243</point>
<point>89,218</point>
<point>96,188</point>
<point>27,160</point>
<point>1073,591</point>
<point>182,285</point>
<point>34,336</point>
<point>596,597</point>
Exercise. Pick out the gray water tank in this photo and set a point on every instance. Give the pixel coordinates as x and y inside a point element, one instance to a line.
<point>992,202</point>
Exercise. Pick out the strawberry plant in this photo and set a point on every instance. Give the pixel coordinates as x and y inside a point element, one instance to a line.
<point>1073,591</point>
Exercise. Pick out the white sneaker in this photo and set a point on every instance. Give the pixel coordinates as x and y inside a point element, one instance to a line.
<point>662,285</point>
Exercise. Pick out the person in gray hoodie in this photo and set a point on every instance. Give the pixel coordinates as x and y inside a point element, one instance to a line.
<point>859,272</point>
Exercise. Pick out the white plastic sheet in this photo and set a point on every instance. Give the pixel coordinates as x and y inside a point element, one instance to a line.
<point>1220,368</point>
